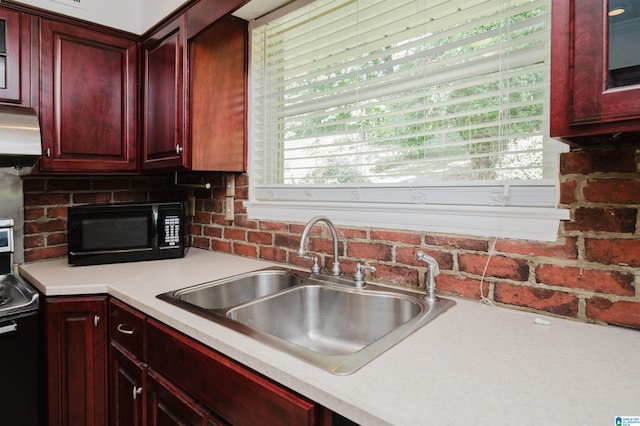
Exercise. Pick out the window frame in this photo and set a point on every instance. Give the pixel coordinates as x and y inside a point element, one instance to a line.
<point>519,210</point>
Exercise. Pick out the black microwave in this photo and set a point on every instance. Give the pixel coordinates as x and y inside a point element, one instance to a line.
<point>126,232</point>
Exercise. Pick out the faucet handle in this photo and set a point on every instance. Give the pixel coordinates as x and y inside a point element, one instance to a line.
<point>358,276</point>
<point>315,269</point>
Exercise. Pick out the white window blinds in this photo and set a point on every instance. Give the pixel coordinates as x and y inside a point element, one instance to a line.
<point>404,101</point>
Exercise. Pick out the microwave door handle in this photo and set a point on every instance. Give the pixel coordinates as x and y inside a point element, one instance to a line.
<point>154,225</point>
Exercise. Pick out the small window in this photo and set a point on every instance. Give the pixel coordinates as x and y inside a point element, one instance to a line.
<point>394,114</point>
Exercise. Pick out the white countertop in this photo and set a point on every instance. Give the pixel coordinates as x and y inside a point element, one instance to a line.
<point>473,365</point>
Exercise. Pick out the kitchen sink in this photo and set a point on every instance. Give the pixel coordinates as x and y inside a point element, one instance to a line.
<point>322,321</point>
<point>327,320</point>
<point>238,289</point>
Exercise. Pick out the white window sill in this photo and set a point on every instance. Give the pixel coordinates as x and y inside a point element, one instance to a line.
<point>526,223</point>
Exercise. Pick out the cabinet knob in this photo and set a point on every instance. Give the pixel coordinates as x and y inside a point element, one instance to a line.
<point>178,149</point>
<point>125,329</point>
<point>136,391</point>
<point>96,320</point>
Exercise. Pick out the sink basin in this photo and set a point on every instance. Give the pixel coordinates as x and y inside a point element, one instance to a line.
<point>322,321</point>
<point>238,289</point>
<point>327,320</point>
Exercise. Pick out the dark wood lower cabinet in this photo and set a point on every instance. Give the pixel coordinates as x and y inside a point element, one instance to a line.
<point>140,396</point>
<point>146,373</point>
<point>76,366</point>
<point>234,393</point>
<point>127,385</point>
<point>170,406</point>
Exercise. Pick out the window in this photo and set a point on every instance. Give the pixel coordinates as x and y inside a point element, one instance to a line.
<point>421,115</point>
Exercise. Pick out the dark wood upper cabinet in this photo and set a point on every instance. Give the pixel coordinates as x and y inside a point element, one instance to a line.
<point>195,98</point>
<point>110,102</point>
<point>595,75</point>
<point>89,93</point>
<point>15,51</point>
<point>164,100</point>
<point>204,12</point>
<point>218,96</point>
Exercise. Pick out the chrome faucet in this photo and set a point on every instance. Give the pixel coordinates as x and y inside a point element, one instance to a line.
<point>302,251</point>
<point>432,271</point>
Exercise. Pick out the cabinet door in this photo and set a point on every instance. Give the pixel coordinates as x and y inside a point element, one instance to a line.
<point>76,334</point>
<point>164,99</point>
<point>168,405</point>
<point>201,128</point>
<point>127,386</point>
<point>233,392</point>
<point>588,101</point>
<point>88,100</point>
<point>15,36</point>
<point>218,72</point>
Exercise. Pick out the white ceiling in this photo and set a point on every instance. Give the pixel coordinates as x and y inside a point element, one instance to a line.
<point>137,16</point>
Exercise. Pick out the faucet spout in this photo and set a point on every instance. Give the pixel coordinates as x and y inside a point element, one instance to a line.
<point>302,251</point>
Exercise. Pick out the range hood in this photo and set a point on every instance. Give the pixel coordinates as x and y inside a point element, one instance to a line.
<point>20,144</point>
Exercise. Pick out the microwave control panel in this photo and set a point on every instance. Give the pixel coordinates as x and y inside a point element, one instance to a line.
<point>171,230</point>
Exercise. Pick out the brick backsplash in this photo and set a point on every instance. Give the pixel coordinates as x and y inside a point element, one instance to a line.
<point>47,198</point>
<point>590,273</point>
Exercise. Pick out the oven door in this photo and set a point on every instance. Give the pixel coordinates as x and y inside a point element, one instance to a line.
<point>19,392</point>
<point>111,235</point>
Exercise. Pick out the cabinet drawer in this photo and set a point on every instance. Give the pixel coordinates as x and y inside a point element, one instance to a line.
<point>126,326</point>
<point>233,392</point>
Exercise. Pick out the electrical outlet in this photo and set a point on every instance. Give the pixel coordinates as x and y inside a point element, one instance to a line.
<point>80,4</point>
<point>191,206</point>
<point>229,208</point>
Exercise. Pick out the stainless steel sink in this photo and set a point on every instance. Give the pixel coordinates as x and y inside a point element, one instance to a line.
<point>336,327</point>
<point>327,320</point>
<point>239,289</point>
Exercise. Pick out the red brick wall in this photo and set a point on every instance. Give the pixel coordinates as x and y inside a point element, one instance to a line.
<point>46,200</point>
<point>591,273</point>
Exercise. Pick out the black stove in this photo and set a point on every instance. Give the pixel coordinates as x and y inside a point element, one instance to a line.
<point>5,297</point>
<point>19,340</point>
<point>16,296</point>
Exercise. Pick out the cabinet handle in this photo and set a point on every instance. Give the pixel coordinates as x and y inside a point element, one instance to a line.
<point>48,152</point>
<point>96,320</point>
<point>125,329</point>
<point>178,149</point>
<point>137,391</point>
<point>8,328</point>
